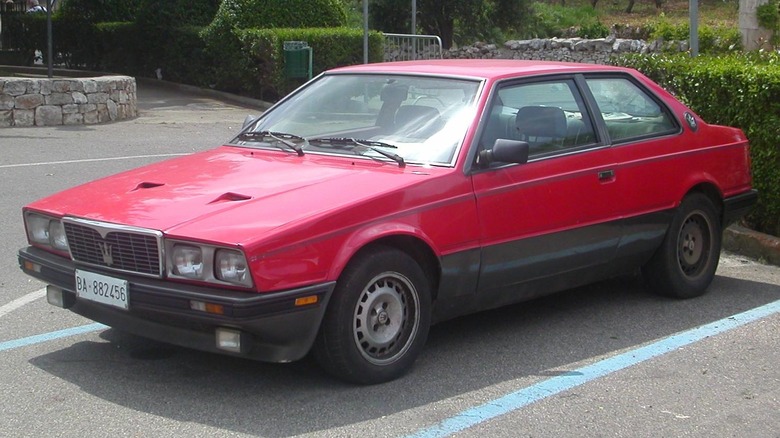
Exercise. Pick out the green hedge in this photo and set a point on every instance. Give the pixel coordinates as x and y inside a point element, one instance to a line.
<point>740,90</point>
<point>263,14</point>
<point>331,47</point>
<point>251,61</point>
<point>96,11</point>
<point>712,40</point>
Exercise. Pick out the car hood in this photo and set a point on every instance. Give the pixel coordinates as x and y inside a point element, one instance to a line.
<point>231,194</point>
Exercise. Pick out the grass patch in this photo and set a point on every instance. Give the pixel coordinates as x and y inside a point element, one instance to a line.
<point>712,13</point>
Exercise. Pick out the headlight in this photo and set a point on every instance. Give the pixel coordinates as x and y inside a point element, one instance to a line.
<point>38,228</point>
<point>57,236</point>
<point>207,263</point>
<point>188,261</point>
<point>230,266</point>
<point>48,231</point>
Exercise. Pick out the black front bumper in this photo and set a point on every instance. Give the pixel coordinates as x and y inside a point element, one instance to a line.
<point>273,328</point>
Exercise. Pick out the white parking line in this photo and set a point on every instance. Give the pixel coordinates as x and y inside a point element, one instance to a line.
<point>88,160</point>
<point>19,302</point>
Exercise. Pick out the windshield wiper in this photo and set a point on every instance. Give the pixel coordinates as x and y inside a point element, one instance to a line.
<point>346,142</point>
<point>280,137</point>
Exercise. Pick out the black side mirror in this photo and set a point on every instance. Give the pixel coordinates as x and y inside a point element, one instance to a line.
<point>505,151</point>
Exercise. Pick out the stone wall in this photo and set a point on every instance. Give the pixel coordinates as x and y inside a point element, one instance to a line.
<point>591,51</point>
<point>66,101</point>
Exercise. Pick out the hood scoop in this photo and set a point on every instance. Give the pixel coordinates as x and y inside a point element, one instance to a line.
<point>147,185</point>
<point>230,197</point>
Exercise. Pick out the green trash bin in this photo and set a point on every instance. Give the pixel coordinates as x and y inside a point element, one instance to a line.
<point>297,59</point>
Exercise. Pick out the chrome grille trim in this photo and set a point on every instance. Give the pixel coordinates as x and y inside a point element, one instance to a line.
<point>119,248</point>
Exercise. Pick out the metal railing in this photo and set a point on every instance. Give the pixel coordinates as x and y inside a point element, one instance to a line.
<point>405,47</point>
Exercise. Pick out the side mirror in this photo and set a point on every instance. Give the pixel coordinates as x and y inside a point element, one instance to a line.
<point>505,151</point>
<point>248,120</point>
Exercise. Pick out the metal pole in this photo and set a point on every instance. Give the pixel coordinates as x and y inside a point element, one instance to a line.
<point>49,43</point>
<point>414,29</point>
<point>365,31</point>
<point>414,17</point>
<point>693,9</point>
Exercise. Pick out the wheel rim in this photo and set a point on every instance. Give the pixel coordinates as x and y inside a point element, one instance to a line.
<point>694,243</point>
<point>386,318</point>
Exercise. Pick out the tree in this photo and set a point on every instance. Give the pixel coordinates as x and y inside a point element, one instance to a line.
<point>630,7</point>
<point>464,20</point>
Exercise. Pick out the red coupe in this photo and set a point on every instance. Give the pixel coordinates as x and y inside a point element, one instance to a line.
<point>379,199</point>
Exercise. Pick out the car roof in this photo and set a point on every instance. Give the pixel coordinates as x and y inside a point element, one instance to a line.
<point>476,68</point>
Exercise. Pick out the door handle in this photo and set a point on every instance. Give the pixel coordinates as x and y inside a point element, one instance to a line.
<point>606,175</point>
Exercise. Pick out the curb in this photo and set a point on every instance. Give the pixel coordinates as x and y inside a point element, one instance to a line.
<point>750,243</point>
<point>214,94</point>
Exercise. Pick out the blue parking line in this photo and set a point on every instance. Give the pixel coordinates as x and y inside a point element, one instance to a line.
<point>37,339</point>
<point>526,396</point>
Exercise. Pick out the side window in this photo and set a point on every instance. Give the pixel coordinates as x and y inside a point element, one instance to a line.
<point>550,116</point>
<point>629,111</point>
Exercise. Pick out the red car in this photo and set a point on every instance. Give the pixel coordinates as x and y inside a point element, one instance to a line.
<point>379,199</point>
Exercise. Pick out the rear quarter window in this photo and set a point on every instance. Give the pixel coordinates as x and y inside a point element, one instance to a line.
<point>630,112</point>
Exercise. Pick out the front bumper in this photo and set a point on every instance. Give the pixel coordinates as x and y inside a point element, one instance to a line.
<point>272,327</point>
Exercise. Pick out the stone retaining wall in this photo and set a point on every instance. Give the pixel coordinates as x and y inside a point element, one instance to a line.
<point>592,51</point>
<point>66,101</point>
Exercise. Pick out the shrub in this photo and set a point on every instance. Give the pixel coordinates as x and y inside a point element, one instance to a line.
<point>552,20</point>
<point>96,11</point>
<point>332,47</point>
<point>711,39</point>
<point>740,90</point>
<point>119,47</point>
<point>263,14</point>
<point>594,30</point>
<point>175,13</point>
<point>230,64</point>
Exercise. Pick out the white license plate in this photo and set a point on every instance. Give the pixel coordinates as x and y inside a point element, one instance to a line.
<point>102,288</point>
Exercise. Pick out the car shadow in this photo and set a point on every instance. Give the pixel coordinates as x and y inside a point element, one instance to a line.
<point>532,341</point>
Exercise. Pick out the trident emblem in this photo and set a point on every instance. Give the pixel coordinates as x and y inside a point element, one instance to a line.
<point>105,251</point>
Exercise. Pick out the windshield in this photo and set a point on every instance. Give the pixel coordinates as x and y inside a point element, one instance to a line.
<point>422,120</point>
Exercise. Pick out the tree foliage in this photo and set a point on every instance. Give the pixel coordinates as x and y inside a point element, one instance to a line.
<point>267,14</point>
<point>97,11</point>
<point>461,21</point>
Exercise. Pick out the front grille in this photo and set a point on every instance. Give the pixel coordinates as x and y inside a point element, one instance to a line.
<point>114,247</point>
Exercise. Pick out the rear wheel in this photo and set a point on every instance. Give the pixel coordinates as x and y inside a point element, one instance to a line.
<point>378,319</point>
<point>685,264</point>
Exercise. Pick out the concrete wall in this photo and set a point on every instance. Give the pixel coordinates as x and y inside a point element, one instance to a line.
<point>66,101</point>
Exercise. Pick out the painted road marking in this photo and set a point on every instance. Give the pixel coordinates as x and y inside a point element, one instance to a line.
<point>19,302</point>
<point>88,160</point>
<point>526,396</point>
<point>37,339</point>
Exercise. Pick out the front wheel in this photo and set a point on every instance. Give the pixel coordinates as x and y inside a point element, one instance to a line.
<point>378,319</point>
<point>685,264</point>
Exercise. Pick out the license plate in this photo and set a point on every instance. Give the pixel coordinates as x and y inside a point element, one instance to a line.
<point>102,289</point>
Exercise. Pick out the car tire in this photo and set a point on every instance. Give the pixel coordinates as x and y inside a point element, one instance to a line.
<point>685,264</point>
<point>377,320</point>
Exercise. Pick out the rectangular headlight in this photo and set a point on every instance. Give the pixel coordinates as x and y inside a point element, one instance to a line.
<point>57,237</point>
<point>230,266</point>
<point>38,228</point>
<point>45,230</point>
<point>187,261</point>
<point>207,262</point>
